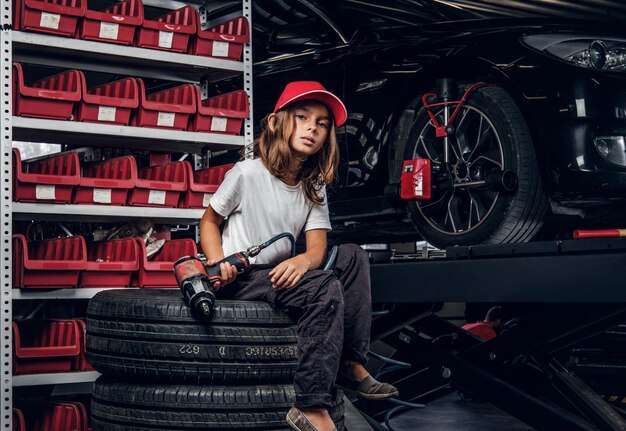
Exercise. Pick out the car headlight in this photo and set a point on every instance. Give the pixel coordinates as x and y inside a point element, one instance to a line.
<point>582,50</point>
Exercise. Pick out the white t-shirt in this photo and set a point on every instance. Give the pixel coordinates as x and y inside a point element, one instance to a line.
<point>259,206</point>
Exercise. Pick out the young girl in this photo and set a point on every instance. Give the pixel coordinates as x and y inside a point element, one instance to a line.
<point>283,189</point>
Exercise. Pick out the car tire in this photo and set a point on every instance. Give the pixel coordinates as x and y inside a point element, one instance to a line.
<point>152,333</point>
<point>124,406</point>
<point>474,215</point>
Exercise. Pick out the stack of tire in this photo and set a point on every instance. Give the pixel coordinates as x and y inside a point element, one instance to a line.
<point>165,369</point>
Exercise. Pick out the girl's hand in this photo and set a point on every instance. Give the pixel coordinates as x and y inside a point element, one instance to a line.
<point>228,273</point>
<point>288,273</point>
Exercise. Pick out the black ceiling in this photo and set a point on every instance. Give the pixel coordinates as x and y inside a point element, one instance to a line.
<point>590,9</point>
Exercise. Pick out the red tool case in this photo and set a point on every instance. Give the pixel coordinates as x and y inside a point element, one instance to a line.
<point>53,97</point>
<point>225,40</point>
<point>50,179</point>
<point>170,31</point>
<point>221,114</point>
<point>107,182</point>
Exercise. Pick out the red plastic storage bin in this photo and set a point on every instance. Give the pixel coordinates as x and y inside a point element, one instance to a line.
<point>159,186</point>
<point>110,263</point>
<point>115,24</point>
<point>106,182</point>
<point>58,17</point>
<point>221,114</point>
<point>80,362</point>
<point>19,422</point>
<point>110,103</point>
<point>50,263</point>
<point>159,270</point>
<point>168,109</point>
<point>49,180</point>
<point>52,97</point>
<point>202,183</point>
<point>62,416</point>
<point>225,40</point>
<point>44,346</point>
<point>169,32</point>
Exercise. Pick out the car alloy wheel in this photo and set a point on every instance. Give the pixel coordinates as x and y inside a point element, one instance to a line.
<point>489,190</point>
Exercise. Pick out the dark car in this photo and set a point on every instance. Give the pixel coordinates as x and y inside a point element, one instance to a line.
<point>540,135</point>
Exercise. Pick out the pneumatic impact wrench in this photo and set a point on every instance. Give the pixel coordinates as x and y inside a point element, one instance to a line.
<point>197,281</point>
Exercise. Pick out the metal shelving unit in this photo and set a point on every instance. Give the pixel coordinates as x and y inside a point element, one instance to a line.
<point>107,135</point>
<point>101,213</point>
<point>111,58</point>
<point>55,378</point>
<point>78,293</point>
<point>48,50</point>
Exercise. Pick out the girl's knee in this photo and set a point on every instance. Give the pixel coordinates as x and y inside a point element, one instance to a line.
<point>356,251</point>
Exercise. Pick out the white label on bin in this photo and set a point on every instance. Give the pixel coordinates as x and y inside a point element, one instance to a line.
<point>220,49</point>
<point>109,30</point>
<point>166,119</point>
<point>165,39</point>
<point>106,113</point>
<point>218,124</point>
<point>157,197</point>
<point>206,199</point>
<point>102,196</point>
<point>45,191</point>
<point>49,20</point>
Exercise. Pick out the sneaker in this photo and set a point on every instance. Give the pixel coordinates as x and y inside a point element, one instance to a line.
<point>369,388</point>
<point>298,420</point>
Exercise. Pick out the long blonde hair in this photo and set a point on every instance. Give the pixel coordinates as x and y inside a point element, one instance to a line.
<point>272,147</point>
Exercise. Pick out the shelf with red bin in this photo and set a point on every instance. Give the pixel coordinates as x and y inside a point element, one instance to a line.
<point>104,213</point>
<point>115,136</point>
<point>19,421</point>
<point>50,263</point>
<point>225,40</point>
<point>52,97</point>
<point>170,31</point>
<point>159,185</point>
<point>202,183</point>
<point>170,108</point>
<point>58,17</point>
<point>52,415</point>
<point>120,59</point>
<point>45,346</point>
<point>223,113</point>
<point>50,179</point>
<point>109,103</point>
<point>107,182</point>
<point>115,24</point>
<point>81,363</point>
<point>158,272</point>
<point>110,263</point>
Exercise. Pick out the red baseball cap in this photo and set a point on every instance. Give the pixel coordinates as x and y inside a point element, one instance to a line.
<point>311,90</point>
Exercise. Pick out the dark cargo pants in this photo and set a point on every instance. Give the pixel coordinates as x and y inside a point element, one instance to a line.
<point>333,310</point>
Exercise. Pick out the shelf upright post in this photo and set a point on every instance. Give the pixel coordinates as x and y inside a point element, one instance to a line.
<point>6,223</point>
<point>248,125</point>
